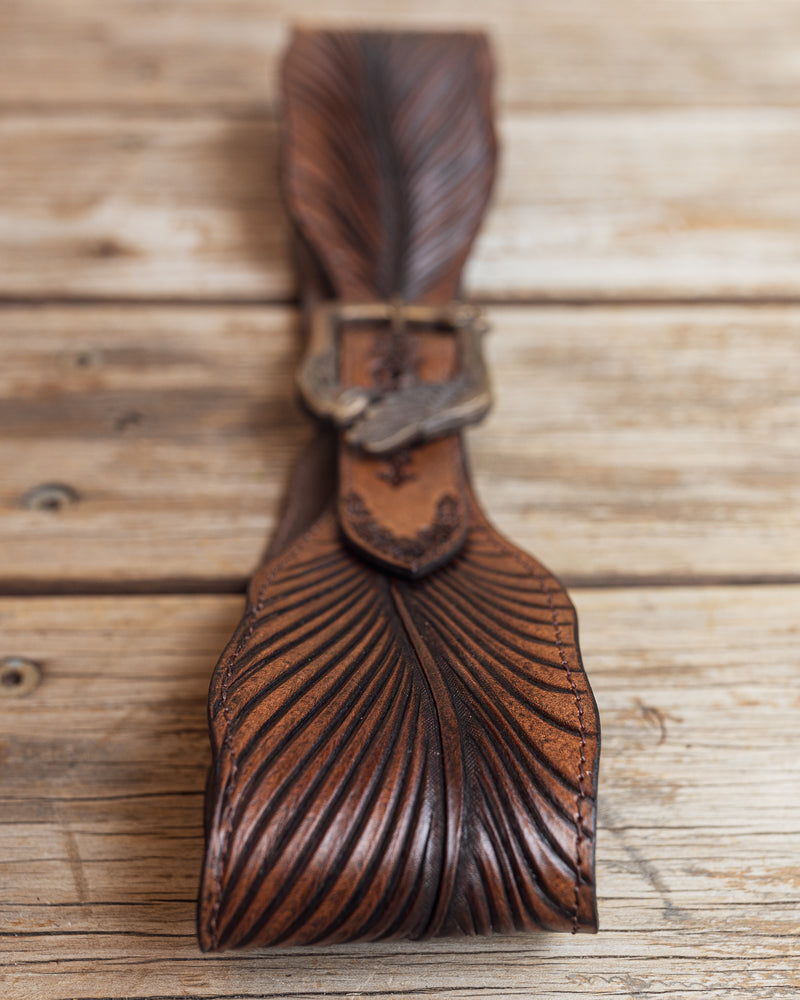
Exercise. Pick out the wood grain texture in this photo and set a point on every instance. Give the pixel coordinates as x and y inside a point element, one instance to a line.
<point>629,204</point>
<point>130,54</point>
<point>137,162</point>
<point>626,443</point>
<point>698,837</point>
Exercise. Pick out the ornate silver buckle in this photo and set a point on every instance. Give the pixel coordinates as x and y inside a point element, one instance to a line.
<point>380,421</point>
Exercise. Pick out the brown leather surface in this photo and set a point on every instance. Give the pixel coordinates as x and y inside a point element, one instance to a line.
<point>395,757</point>
<point>388,166</point>
<point>406,511</point>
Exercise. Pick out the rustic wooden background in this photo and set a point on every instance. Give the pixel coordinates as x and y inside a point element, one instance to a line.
<point>642,267</point>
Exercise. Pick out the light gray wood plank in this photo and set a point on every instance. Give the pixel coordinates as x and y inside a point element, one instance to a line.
<point>130,53</point>
<point>625,443</point>
<point>589,205</point>
<point>104,767</point>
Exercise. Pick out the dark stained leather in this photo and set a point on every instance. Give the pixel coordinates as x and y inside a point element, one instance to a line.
<point>405,742</point>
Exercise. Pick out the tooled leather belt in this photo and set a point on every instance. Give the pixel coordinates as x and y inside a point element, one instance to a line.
<point>404,741</point>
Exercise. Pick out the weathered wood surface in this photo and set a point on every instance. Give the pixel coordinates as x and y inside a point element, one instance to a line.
<point>626,444</point>
<point>699,825</point>
<point>173,54</point>
<point>650,153</point>
<point>612,204</point>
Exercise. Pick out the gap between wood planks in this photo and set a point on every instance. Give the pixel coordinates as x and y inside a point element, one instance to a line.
<point>589,206</point>
<point>664,457</point>
<point>521,301</point>
<point>191,587</point>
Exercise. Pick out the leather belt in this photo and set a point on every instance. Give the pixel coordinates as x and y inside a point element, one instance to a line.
<point>404,740</point>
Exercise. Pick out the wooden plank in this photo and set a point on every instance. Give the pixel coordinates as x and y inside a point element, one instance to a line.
<point>551,53</point>
<point>149,417</point>
<point>104,765</point>
<point>150,209</point>
<point>595,205</point>
<point>626,443</point>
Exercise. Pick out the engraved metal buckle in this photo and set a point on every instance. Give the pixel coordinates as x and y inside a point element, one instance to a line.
<point>380,421</point>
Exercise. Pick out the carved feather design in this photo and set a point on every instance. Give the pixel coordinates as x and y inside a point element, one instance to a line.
<point>399,758</point>
<point>389,157</point>
<point>395,757</point>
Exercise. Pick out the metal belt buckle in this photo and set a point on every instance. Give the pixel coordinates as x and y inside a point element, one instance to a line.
<point>380,421</point>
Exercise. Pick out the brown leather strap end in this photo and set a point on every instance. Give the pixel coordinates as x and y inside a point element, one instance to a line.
<point>389,157</point>
<point>407,510</point>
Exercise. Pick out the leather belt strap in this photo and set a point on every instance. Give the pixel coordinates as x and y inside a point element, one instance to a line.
<point>404,740</point>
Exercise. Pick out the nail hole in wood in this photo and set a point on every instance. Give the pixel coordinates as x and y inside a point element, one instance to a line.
<point>131,418</point>
<point>18,677</point>
<point>107,248</point>
<point>50,496</point>
<point>88,358</point>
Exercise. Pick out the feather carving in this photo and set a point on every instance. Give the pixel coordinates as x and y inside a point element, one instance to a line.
<point>430,744</point>
<point>395,757</point>
<point>389,157</point>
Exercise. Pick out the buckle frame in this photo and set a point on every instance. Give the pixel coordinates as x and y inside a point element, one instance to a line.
<point>379,421</point>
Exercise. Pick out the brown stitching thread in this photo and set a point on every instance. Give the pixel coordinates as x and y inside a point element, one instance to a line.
<point>581,796</point>
<point>227,739</point>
